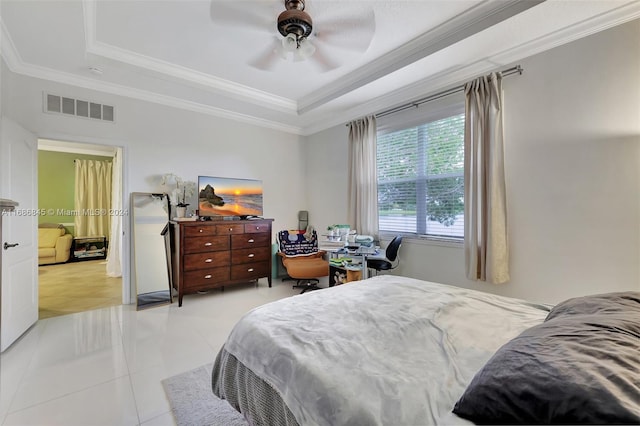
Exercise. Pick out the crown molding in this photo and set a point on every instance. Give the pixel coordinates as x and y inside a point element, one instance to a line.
<point>77,148</point>
<point>17,65</point>
<point>7,47</point>
<point>457,75</point>
<point>444,35</point>
<point>215,84</point>
<point>322,121</point>
<point>584,28</point>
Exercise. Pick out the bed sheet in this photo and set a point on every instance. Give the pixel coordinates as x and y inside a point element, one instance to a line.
<point>387,350</point>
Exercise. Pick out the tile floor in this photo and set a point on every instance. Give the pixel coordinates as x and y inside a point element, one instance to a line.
<point>105,366</point>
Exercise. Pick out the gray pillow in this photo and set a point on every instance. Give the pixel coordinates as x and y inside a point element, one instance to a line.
<point>628,302</point>
<point>572,369</point>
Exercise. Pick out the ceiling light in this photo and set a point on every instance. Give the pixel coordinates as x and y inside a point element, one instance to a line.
<point>290,43</point>
<point>304,51</point>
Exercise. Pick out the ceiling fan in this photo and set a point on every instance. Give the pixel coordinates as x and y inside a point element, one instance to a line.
<point>337,26</point>
<point>295,25</point>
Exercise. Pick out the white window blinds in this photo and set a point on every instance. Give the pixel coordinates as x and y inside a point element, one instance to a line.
<point>421,178</point>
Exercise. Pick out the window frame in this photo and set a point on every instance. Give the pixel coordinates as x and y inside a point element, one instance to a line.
<point>415,118</point>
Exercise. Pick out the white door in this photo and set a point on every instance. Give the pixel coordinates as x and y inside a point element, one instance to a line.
<point>18,182</point>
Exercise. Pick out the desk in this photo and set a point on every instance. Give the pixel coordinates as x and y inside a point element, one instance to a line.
<point>364,253</point>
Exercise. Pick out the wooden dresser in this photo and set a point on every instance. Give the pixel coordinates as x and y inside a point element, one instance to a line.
<point>208,255</point>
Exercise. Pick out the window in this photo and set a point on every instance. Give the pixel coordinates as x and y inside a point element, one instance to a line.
<point>421,179</point>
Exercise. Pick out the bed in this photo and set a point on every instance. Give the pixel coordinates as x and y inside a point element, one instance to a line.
<point>398,351</point>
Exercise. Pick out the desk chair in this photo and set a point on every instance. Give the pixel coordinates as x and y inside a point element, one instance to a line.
<point>302,259</point>
<point>391,254</point>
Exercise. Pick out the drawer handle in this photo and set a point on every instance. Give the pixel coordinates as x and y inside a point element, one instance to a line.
<point>251,254</point>
<point>208,244</point>
<point>230,229</point>
<point>250,270</point>
<point>208,260</point>
<point>207,276</point>
<point>201,230</point>
<point>257,228</point>
<point>251,241</point>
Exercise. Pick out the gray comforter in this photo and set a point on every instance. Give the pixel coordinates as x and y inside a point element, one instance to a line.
<point>388,350</point>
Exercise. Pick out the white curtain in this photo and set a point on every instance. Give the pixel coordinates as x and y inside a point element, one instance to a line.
<point>114,254</point>
<point>363,188</point>
<point>93,198</point>
<point>485,217</point>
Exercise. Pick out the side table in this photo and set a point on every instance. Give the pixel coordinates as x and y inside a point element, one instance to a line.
<point>85,248</point>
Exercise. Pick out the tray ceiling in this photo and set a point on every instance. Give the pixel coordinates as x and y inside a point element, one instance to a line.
<point>201,55</point>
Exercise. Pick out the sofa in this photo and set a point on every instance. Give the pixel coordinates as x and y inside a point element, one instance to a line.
<point>54,244</point>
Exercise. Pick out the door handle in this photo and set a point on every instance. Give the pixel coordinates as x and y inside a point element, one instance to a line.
<point>8,246</point>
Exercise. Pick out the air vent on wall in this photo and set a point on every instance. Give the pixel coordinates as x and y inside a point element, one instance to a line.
<point>63,105</point>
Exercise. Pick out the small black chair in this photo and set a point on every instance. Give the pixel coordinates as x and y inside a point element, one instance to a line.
<point>391,255</point>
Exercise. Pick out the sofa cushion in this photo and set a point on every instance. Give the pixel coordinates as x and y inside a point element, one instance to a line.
<point>46,252</point>
<point>47,237</point>
<point>50,225</point>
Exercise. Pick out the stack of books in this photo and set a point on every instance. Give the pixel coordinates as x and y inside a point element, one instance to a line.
<point>331,244</point>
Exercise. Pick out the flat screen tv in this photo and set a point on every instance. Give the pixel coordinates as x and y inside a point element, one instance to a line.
<point>220,197</point>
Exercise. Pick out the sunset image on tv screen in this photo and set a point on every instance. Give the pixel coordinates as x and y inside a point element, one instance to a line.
<point>229,196</point>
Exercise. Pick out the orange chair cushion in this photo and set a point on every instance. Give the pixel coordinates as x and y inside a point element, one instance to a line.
<point>306,267</point>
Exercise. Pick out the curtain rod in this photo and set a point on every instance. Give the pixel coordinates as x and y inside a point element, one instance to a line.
<point>509,71</point>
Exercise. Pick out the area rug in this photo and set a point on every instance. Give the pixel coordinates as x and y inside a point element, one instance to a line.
<point>194,404</point>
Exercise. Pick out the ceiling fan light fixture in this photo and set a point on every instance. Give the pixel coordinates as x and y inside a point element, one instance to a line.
<point>290,43</point>
<point>305,49</point>
<point>295,25</point>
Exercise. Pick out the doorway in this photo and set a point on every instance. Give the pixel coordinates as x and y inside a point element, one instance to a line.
<point>80,282</point>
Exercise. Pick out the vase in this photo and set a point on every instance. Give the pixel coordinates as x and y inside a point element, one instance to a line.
<point>181,211</point>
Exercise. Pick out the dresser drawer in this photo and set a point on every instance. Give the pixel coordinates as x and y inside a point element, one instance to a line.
<point>196,261</point>
<point>200,244</point>
<point>250,255</point>
<point>229,229</point>
<point>199,231</point>
<point>250,240</point>
<point>250,271</point>
<point>257,227</point>
<point>206,278</point>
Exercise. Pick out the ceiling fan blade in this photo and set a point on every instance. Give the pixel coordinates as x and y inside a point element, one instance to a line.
<point>357,41</point>
<point>322,62</point>
<point>352,33</point>
<point>266,60</point>
<point>252,15</point>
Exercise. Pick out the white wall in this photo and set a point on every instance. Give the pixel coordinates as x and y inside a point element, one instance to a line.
<point>159,139</point>
<point>327,185</point>
<point>573,165</point>
<point>572,129</point>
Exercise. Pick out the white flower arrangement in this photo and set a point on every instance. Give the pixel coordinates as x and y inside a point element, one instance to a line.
<point>183,189</point>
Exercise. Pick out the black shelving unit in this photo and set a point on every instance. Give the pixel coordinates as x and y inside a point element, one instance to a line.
<point>87,248</point>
